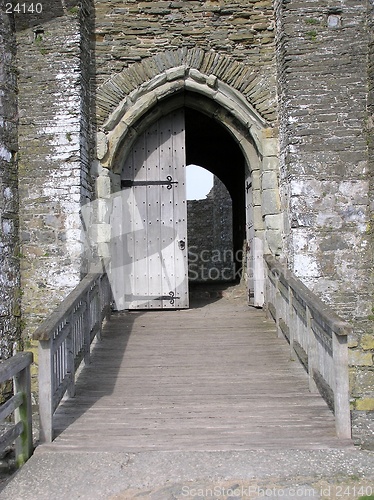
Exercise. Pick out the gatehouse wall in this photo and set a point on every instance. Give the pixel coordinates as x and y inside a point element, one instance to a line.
<point>291,81</point>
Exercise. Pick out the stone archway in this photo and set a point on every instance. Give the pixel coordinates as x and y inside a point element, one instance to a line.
<point>125,110</point>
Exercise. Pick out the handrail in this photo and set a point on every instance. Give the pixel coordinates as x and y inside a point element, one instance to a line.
<point>65,339</point>
<point>317,335</point>
<point>18,369</point>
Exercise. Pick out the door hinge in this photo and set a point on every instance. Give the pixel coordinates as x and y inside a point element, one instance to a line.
<point>171,297</point>
<point>126,183</point>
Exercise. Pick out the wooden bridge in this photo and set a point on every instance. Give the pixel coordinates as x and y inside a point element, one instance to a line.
<point>218,376</point>
<point>213,377</point>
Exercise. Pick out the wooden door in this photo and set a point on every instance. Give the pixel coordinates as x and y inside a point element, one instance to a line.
<point>149,221</point>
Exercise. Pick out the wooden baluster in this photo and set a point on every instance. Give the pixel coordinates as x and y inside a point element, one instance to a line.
<point>312,351</point>
<point>69,359</point>
<point>278,307</point>
<point>100,306</point>
<point>87,329</point>
<point>291,320</point>
<point>108,296</point>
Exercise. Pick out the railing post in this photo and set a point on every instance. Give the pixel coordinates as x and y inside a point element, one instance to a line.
<point>312,351</point>
<point>24,443</point>
<point>341,392</point>
<point>46,389</point>
<point>87,330</point>
<point>70,362</point>
<point>291,323</point>
<point>100,308</point>
<point>107,297</point>
<point>278,307</point>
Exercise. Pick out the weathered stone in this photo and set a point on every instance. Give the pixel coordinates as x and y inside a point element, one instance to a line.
<point>360,358</point>
<point>256,180</point>
<point>101,145</point>
<point>103,186</point>
<point>361,381</point>
<point>274,242</point>
<point>101,233</point>
<point>176,73</point>
<point>258,220</point>
<point>270,163</point>
<point>274,222</point>
<point>257,197</point>
<point>269,180</point>
<point>197,76</point>
<point>212,81</point>
<point>270,202</point>
<point>139,108</point>
<point>270,147</point>
<point>367,342</point>
<point>306,265</point>
<point>366,404</point>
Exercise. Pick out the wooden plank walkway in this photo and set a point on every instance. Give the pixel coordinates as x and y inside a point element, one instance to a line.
<point>214,377</point>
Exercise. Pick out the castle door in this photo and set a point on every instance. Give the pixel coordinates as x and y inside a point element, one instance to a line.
<point>149,268</point>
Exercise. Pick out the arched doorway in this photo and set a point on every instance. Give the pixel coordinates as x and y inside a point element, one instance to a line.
<point>226,118</point>
<point>149,248</point>
<point>211,146</point>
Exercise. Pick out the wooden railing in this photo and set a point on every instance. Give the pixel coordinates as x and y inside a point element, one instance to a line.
<point>316,335</point>
<point>20,432</point>
<point>65,341</point>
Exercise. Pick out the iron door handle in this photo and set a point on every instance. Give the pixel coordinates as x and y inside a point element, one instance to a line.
<point>182,244</point>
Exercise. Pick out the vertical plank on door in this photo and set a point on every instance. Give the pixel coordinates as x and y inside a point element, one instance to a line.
<point>153,197</point>
<point>180,211</point>
<point>167,232</point>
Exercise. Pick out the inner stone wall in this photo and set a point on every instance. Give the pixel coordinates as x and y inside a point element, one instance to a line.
<point>210,237</point>
<point>322,54</point>
<point>9,244</point>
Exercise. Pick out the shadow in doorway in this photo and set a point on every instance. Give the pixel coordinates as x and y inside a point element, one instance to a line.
<point>207,293</point>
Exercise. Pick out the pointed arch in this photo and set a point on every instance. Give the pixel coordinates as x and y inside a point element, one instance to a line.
<point>201,67</point>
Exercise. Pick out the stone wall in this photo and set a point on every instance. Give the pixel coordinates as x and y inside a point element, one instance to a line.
<point>322,63</point>
<point>9,244</point>
<point>364,384</point>
<point>87,70</point>
<point>210,237</point>
<point>55,153</point>
<point>128,31</point>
